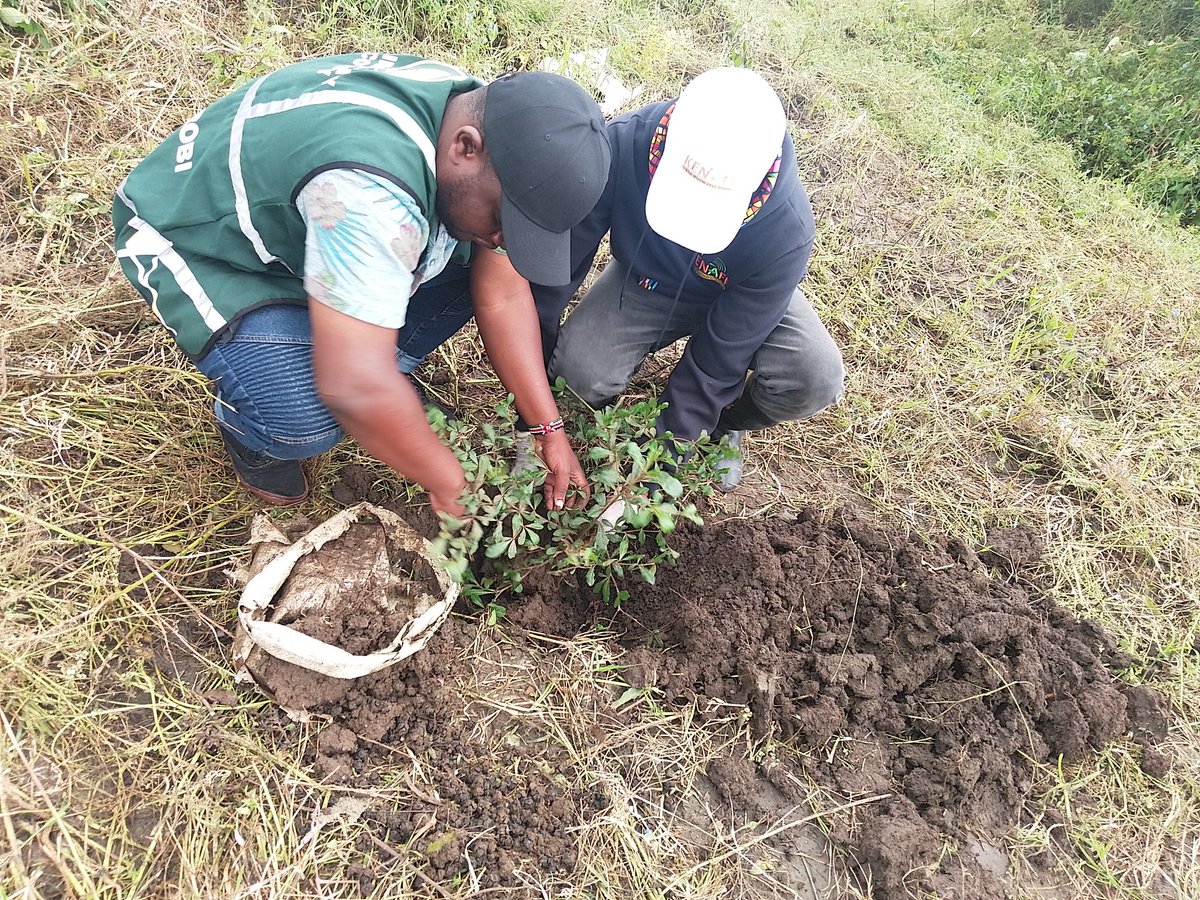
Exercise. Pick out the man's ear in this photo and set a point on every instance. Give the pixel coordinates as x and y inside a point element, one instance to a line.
<point>467,146</point>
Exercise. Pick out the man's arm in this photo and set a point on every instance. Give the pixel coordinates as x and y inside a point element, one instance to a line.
<point>355,367</point>
<point>713,369</point>
<point>508,324</point>
<point>363,239</point>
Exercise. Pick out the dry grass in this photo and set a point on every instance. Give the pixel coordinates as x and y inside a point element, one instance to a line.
<point>1023,349</point>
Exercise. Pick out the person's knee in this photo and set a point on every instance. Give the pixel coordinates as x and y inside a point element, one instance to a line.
<point>817,385</point>
<point>827,383</point>
<point>591,383</point>
<point>284,430</point>
<point>267,396</point>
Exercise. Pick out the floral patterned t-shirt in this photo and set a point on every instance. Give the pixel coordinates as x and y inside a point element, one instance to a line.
<point>367,246</point>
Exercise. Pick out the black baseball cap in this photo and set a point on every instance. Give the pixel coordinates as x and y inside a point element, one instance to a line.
<point>546,139</point>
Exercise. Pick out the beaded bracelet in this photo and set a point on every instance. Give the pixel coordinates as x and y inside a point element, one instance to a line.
<point>556,425</point>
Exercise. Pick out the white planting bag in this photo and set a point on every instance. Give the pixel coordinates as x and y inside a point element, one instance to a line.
<point>387,570</point>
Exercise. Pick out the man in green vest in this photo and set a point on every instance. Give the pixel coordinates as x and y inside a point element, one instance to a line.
<point>309,238</point>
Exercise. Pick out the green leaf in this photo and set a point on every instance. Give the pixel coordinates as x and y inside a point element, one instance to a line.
<point>14,18</point>
<point>638,516</point>
<point>450,523</point>
<point>607,477</point>
<point>670,485</point>
<point>635,453</point>
<point>456,568</point>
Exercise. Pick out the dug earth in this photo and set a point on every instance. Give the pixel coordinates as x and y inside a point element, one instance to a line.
<point>920,677</point>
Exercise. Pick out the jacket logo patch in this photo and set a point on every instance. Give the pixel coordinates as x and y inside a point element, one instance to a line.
<point>711,269</point>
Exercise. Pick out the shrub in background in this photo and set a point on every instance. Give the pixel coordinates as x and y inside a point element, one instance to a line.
<point>1132,110</point>
<point>1117,80</point>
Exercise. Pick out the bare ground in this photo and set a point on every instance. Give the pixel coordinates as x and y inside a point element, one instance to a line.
<point>925,687</point>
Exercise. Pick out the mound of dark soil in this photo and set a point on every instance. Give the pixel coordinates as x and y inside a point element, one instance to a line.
<point>907,672</point>
<point>923,681</point>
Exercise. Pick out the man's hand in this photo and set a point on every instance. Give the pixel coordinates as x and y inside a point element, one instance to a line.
<point>447,503</point>
<point>564,470</point>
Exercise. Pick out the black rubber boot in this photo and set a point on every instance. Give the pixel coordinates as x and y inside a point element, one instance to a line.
<point>743,414</point>
<point>278,481</point>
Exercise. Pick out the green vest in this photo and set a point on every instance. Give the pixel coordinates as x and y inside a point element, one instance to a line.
<point>222,189</point>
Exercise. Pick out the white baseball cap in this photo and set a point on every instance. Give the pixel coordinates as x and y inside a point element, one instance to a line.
<point>726,131</point>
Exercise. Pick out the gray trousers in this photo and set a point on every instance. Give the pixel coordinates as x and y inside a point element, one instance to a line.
<point>796,373</point>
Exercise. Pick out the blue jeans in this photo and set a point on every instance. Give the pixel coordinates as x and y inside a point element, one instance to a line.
<point>262,374</point>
